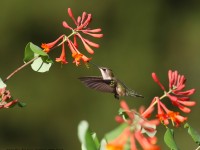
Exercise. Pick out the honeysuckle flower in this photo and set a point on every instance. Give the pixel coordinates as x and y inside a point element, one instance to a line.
<point>164,114</point>
<point>81,27</point>
<point>114,147</point>
<point>177,84</point>
<point>6,100</point>
<point>137,125</point>
<point>78,57</point>
<point>178,97</point>
<point>48,46</point>
<point>82,23</point>
<point>62,57</point>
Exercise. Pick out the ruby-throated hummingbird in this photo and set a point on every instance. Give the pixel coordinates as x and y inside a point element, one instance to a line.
<point>108,83</point>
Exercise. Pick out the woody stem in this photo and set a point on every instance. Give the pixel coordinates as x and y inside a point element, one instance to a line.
<point>19,68</point>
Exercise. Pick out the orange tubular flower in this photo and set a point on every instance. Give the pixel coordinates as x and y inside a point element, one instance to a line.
<point>62,57</point>
<point>114,147</point>
<point>77,55</point>
<point>82,23</point>
<point>178,97</point>
<point>164,114</point>
<point>137,125</point>
<point>48,46</point>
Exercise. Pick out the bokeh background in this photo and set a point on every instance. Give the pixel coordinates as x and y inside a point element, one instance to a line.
<point>140,37</point>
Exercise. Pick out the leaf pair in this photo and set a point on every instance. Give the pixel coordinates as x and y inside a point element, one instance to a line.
<point>89,141</point>
<point>41,61</point>
<point>169,137</point>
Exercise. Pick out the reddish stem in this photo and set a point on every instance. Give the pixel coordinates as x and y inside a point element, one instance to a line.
<point>18,69</point>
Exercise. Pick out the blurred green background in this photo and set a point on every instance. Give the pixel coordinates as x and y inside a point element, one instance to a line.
<point>140,37</point>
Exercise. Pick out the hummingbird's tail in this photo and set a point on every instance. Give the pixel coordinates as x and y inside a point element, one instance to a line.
<point>134,94</point>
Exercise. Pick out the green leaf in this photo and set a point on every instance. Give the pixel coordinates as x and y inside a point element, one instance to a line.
<point>96,140</point>
<point>169,139</point>
<point>2,84</point>
<point>40,66</point>
<point>116,132</point>
<point>31,50</point>
<point>28,54</point>
<point>193,133</point>
<point>46,59</point>
<point>37,50</point>
<point>21,104</point>
<point>85,137</point>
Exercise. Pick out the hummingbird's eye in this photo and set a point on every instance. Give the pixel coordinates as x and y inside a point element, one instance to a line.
<point>104,69</point>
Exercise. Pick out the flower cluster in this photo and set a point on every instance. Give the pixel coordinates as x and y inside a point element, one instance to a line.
<point>176,95</point>
<point>6,100</point>
<point>82,23</point>
<point>137,125</point>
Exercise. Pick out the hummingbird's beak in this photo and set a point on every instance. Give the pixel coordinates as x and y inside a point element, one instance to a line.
<point>94,64</point>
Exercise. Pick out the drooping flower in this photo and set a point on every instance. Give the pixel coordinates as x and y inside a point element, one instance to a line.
<point>82,23</point>
<point>178,97</point>
<point>48,46</point>
<point>138,129</point>
<point>114,147</point>
<point>62,57</point>
<point>164,114</point>
<point>6,100</point>
<point>77,55</point>
<point>81,27</point>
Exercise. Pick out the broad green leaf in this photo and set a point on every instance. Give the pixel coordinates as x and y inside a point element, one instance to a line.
<point>96,140</point>
<point>37,50</point>
<point>30,51</point>
<point>169,139</point>
<point>2,84</point>
<point>193,133</point>
<point>85,137</point>
<point>40,66</point>
<point>21,104</point>
<point>116,132</point>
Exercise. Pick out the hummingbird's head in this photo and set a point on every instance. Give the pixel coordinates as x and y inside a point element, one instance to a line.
<point>107,73</point>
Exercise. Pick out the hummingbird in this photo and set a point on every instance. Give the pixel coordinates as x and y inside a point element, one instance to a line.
<point>108,83</point>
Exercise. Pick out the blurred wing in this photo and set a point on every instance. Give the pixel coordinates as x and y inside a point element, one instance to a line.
<point>97,83</point>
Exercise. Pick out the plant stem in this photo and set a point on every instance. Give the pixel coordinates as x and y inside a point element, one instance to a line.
<point>19,68</point>
<point>24,65</point>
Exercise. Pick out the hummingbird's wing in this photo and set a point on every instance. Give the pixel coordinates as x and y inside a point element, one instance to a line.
<point>97,83</point>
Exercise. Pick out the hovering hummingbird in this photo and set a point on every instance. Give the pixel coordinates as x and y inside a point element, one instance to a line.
<point>108,83</point>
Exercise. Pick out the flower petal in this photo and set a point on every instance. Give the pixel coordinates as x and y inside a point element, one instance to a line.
<point>155,78</point>
<point>91,43</point>
<point>87,47</point>
<point>93,35</point>
<point>71,15</point>
<point>64,23</point>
